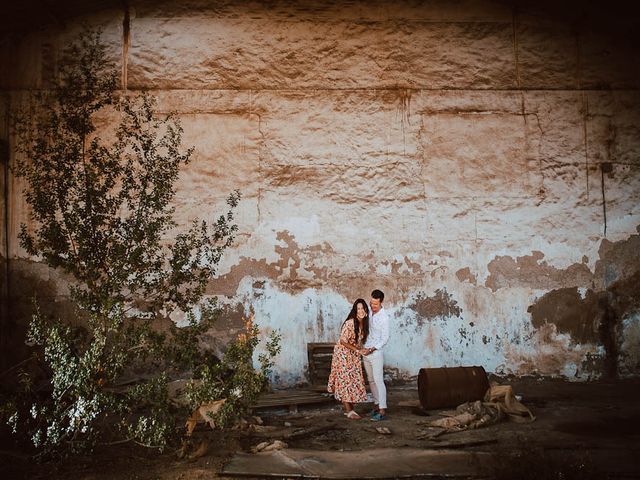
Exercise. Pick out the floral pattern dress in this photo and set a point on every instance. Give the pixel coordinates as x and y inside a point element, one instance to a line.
<point>346,380</point>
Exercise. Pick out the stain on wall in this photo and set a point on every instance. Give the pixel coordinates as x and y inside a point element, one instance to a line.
<point>440,305</point>
<point>532,271</point>
<point>596,316</point>
<point>465,275</point>
<point>570,312</point>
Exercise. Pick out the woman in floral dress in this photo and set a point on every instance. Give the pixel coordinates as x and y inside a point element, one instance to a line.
<point>346,380</point>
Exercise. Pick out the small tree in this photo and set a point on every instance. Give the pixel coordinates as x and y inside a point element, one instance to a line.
<point>103,213</point>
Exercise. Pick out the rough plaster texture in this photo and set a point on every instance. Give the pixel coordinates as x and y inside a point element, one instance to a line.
<point>449,153</point>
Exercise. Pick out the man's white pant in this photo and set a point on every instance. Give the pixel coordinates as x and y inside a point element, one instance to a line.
<point>373,364</point>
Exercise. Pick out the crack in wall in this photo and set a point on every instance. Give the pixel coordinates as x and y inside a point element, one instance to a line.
<point>514,23</point>
<point>126,41</point>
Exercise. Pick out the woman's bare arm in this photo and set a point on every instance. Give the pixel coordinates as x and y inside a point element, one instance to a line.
<point>349,346</point>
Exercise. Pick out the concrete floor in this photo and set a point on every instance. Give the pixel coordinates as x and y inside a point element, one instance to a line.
<point>582,430</point>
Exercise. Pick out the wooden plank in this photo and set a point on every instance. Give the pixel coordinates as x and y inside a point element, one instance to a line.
<point>311,393</point>
<point>313,345</point>
<point>289,393</point>
<point>321,359</point>
<point>292,397</point>
<point>322,372</point>
<point>320,363</point>
<point>321,387</point>
<point>308,401</point>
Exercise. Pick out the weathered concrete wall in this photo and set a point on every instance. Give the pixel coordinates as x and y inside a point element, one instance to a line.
<point>478,161</point>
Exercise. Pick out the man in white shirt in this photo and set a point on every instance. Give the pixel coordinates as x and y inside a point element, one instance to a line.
<point>373,356</point>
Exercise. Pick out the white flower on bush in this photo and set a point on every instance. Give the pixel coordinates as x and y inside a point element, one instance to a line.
<point>53,433</point>
<point>37,438</point>
<point>78,411</point>
<point>12,421</point>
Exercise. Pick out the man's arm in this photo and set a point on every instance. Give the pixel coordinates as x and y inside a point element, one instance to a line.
<point>384,332</point>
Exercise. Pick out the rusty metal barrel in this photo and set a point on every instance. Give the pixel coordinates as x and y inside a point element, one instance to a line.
<point>449,387</point>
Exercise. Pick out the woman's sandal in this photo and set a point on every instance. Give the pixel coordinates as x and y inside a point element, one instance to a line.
<point>352,415</point>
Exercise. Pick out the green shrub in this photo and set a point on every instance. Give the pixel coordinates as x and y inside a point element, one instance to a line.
<point>102,213</point>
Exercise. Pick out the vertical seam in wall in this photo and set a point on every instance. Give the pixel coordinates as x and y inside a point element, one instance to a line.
<point>126,39</point>
<point>421,173</point>
<point>475,219</point>
<point>604,201</point>
<point>515,46</point>
<point>585,116</point>
<point>260,152</point>
<point>585,107</point>
<point>578,60</point>
<point>4,155</point>
<point>405,112</point>
<point>606,166</point>
<point>5,174</point>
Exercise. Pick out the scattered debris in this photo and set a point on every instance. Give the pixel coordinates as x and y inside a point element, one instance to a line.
<point>457,422</point>
<point>430,433</point>
<point>503,398</point>
<point>287,424</point>
<point>262,428</point>
<point>499,403</point>
<point>204,413</point>
<point>383,430</point>
<point>184,448</point>
<point>468,443</point>
<point>276,445</point>
<point>258,420</point>
<point>269,446</point>
<point>176,389</point>
<point>187,450</point>
<point>259,447</point>
<point>303,432</point>
<point>201,451</point>
<point>241,424</point>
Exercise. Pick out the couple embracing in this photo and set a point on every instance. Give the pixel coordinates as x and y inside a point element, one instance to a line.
<point>364,333</point>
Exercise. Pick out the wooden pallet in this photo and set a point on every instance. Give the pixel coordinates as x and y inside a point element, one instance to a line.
<point>319,356</point>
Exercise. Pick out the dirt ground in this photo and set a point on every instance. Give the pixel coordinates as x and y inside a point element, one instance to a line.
<point>590,429</point>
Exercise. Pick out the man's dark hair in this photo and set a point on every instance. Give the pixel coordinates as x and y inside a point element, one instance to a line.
<point>378,295</point>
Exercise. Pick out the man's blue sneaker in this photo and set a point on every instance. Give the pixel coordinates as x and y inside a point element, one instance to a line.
<point>373,412</point>
<point>377,417</point>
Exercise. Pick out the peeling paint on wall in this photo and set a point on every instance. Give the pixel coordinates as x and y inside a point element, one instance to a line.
<point>464,275</point>
<point>569,312</point>
<point>594,317</point>
<point>531,271</point>
<point>440,305</point>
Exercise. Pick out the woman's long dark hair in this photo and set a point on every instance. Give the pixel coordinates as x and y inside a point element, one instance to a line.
<point>365,321</point>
